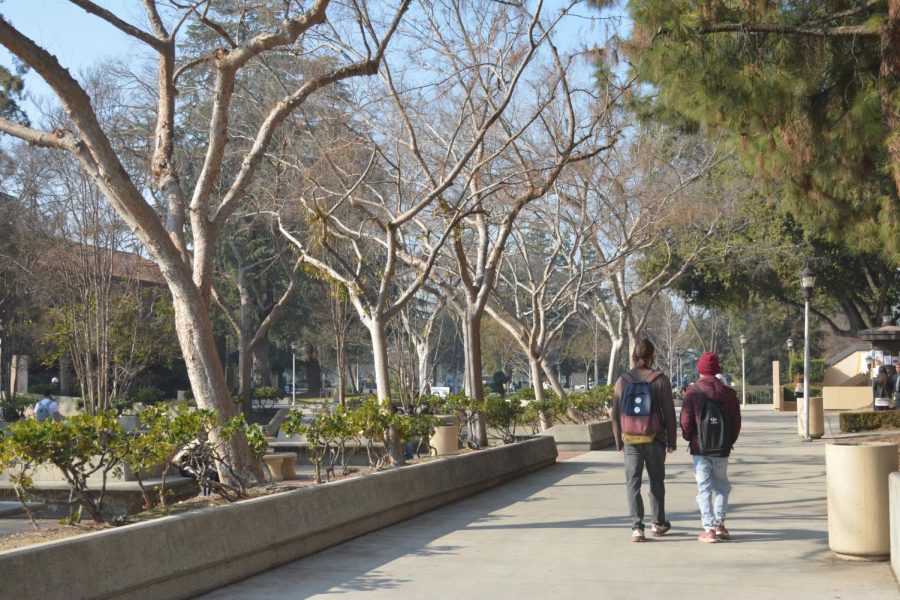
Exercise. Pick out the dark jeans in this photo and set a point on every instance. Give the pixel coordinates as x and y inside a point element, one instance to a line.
<point>653,456</point>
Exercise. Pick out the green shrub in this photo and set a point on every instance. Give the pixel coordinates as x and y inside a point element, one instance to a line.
<point>503,414</point>
<point>12,408</point>
<point>816,369</point>
<point>591,405</point>
<point>148,396</point>
<point>551,407</point>
<point>42,388</point>
<point>266,392</point>
<point>79,447</point>
<point>867,421</point>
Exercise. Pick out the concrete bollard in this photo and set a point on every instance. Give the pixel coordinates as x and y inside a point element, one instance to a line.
<point>858,499</point>
<point>816,417</point>
<point>446,435</point>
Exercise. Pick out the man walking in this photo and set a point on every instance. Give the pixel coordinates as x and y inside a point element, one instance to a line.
<point>47,408</point>
<point>643,420</point>
<point>711,423</point>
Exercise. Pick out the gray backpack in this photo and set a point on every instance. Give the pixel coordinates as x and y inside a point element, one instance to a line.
<point>42,410</point>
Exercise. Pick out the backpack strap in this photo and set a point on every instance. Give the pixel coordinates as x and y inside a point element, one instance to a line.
<point>652,376</point>
<point>627,378</point>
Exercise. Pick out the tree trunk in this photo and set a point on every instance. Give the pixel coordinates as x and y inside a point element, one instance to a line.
<point>340,358</point>
<point>262,368</point>
<point>423,356</point>
<point>553,379</point>
<point>245,372</point>
<point>614,352</point>
<point>207,377</point>
<point>383,385</point>
<point>474,384</point>
<point>535,365</point>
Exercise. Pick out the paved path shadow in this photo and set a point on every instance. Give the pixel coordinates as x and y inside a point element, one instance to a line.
<point>563,533</point>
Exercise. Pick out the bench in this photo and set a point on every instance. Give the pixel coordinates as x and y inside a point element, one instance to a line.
<point>281,465</point>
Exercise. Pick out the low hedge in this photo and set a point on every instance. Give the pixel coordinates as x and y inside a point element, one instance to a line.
<point>866,421</point>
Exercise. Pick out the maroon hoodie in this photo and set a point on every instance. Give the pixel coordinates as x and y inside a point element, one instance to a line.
<point>690,411</point>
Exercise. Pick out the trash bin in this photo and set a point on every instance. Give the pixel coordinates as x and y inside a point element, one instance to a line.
<point>446,435</point>
<point>816,416</point>
<point>858,498</point>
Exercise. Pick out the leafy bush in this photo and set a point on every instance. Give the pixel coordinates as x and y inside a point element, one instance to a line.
<point>79,447</point>
<point>552,408</point>
<point>816,369</point>
<point>40,389</point>
<point>372,423</point>
<point>867,421</point>
<point>85,445</point>
<point>326,436</point>
<point>503,414</point>
<point>266,392</point>
<point>420,431</point>
<point>148,396</point>
<point>12,408</point>
<point>591,405</point>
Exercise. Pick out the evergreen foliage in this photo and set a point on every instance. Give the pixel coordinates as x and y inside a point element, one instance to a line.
<point>800,89</point>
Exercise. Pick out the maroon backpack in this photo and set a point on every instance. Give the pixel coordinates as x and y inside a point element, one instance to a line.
<point>639,413</point>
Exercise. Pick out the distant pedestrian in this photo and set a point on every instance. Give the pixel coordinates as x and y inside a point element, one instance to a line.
<point>711,423</point>
<point>47,408</point>
<point>798,383</point>
<point>643,421</point>
<point>881,389</point>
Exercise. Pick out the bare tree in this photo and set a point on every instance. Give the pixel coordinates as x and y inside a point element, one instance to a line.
<point>511,167</point>
<point>655,215</point>
<point>543,282</point>
<point>197,204</point>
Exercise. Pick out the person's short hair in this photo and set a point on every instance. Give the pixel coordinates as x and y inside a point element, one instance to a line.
<point>642,356</point>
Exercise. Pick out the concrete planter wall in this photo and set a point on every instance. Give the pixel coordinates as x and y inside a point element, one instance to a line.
<point>856,477</point>
<point>575,438</point>
<point>185,555</point>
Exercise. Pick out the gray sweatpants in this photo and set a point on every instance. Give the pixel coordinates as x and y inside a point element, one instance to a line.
<point>653,456</point>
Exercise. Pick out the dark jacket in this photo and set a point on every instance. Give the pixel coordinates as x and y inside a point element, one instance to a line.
<point>716,391</point>
<point>662,394</point>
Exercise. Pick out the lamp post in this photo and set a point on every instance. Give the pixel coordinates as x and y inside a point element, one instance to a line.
<point>678,370</point>
<point>293,374</point>
<point>807,281</point>
<point>790,347</point>
<point>743,341</point>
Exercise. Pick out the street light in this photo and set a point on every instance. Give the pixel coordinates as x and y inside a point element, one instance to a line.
<point>807,281</point>
<point>743,341</point>
<point>790,347</point>
<point>678,369</point>
<point>293,374</point>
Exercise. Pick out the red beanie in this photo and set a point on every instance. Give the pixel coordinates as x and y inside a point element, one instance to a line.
<point>709,364</point>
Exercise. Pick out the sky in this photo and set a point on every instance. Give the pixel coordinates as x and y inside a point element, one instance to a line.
<point>76,38</point>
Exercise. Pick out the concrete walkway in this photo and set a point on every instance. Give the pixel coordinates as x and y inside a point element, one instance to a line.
<point>563,533</point>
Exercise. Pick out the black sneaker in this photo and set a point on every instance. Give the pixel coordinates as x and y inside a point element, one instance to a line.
<point>637,535</point>
<point>660,529</point>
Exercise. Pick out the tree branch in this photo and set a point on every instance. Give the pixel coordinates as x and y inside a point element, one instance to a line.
<point>807,31</point>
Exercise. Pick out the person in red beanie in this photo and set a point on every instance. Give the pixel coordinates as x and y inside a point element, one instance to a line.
<point>711,465</point>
